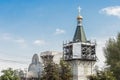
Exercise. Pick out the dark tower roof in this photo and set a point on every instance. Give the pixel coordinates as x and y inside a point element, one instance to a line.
<point>79,35</point>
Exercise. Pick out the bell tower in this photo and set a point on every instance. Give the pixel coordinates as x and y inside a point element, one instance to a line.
<point>80,53</point>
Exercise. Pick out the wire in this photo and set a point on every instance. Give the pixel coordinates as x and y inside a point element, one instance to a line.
<point>12,61</point>
<point>11,55</point>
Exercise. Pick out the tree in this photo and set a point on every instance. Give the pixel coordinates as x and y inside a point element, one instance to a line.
<point>65,71</point>
<point>51,71</point>
<point>112,55</point>
<point>102,75</point>
<point>9,74</point>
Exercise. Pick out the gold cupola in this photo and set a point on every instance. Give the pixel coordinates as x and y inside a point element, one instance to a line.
<point>79,17</point>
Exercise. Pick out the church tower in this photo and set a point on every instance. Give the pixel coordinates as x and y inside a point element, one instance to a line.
<point>80,53</point>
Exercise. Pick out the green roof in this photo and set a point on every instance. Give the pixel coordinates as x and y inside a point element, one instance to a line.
<point>79,35</point>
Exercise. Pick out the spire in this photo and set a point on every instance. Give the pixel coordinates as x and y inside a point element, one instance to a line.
<point>79,35</point>
<point>79,17</point>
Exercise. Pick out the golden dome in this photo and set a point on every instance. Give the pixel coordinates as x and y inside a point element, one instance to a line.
<point>79,17</point>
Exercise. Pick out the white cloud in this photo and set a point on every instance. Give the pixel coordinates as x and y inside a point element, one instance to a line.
<point>13,39</point>
<point>59,31</point>
<point>112,11</point>
<point>39,42</point>
<point>6,36</point>
<point>21,42</point>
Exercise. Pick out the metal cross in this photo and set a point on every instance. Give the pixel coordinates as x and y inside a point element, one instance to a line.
<point>79,9</point>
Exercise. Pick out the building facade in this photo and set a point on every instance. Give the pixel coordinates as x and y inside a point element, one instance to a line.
<point>36,66</point>
<point>80,53</point>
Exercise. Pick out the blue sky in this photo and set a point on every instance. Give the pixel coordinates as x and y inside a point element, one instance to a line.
<point>34,26</point>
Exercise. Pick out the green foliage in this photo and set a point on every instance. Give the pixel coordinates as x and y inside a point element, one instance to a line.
<point>54,71</point>
<point>51,72</point>
<point>9,74</point>
<point>112,55</point>
<point>65,71</point>
<point>102,75</point>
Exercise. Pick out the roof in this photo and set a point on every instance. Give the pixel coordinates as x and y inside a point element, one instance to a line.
<point>79,35</point>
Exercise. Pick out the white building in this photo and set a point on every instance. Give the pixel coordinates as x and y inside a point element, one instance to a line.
<point>36,66</point>
<point>80,53</point>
